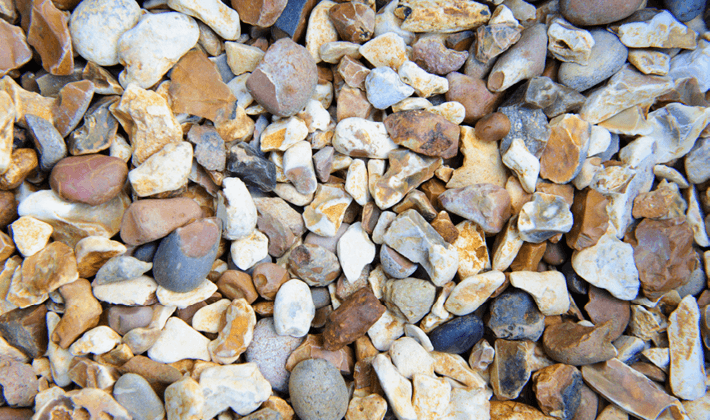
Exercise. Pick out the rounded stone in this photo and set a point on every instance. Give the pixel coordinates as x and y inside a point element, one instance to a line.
<point>136,395</point>
<point>269,351</point>
<point>685,10</point>
<point>285,78</point>
<point>607,57</point>
<point>457,335</point>
<point>146,252</point>
<point>184,258</point>
<point>514,316</point>
<point>89,179</point>
<point>125,318</point>
<point>411,298</point>
<point>147,220</point>
<point>96,26</point>
<point>473,94</point>
<point>597,12</point>
<point>318,391</point>
<point>492,127</point>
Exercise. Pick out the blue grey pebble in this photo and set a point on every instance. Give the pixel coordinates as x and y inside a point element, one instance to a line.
<point>607,58</point>
<point>685,10</point>
<point>269,351</point>
<point>514,316</point>
<point>457,335</point>
<point>385,88</point>
<point>146,252</point>
<point>185,257</point>
<point>136,395</point>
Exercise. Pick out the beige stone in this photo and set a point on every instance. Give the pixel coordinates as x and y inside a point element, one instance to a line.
<point>397,389</point>
<point>371,407</point>
<point>7,120</point>
<point>687,372</point>
<point>183,300</point>
<point>549,289</point>
<point>98,340</point>
<point>320,29</point>
<point>93,251</point>
<point>441,16</point>
<point>653,28</point>
<point>235,336</point>
<point>472,249</point>
<point>650,61</point>
<point>387,49</point>
<point>481,163</point>
<point>473,291</point>
<point>134,292</point>
<point>166,170</point>
<point>455,367</point>
<point>30,235</point>
<point>431,396</point>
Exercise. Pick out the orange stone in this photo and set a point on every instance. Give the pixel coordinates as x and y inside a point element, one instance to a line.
<point>15,51</point>
<point>590,219</point>
<point>565,151</point>
<point>49,34</point>
<point>529,257</point>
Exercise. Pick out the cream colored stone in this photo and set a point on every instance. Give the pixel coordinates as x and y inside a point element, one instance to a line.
<point>397,389</point>
<point>650,61</point>
<point>320,29</point>
<point>356,182</point>
<point>316,117</point>
<point>387,49</point>
<point>676,128</point>
<point>60,359</point>
<point>438,315</point>
<point>210,318</point>
<point>98,340</point>
<point>455,367</point>
<point>411,358</point>
<point>166,170</point>
<point>568,43</point>
<point>239,127</point>
<point>30,235</point>
<point>687,371</point>
<point>298,167</point>
<point>630,122</point>
<point>282,134</point>
<point>452,111</point>
<point>148,120</point>
<point>240,387</point>
<point>661,31</point>
<point>179,341</point>
<point>473,291</point>
<point>25,102</point>
<point>425,84</point>
<point>386,21</point>
<point>670,174</point>
<point>525,165</point>
<point>236,333</point>
<point>324,215</point>
<point>93,251</point>
<point>7,119</point>
<point>242,58</point>
<point>694,216</point>
<point>293,309</point>
<point>289,193</point>
<point>386,330</point>
<point>599,141</point>
<point>412,331</point>
<point>431,396</point>
<point>443,16</point>
<point>135,292</point>
<point>355,250</point>
<point>412,103</point>
<point>332,52</point>
<point>469,403</point>
<point>238,86</point>
<point>372,407</point>
<point>236,210</point>
<point>184,400</point>
<point>120,148</point>
<point>250,250</point>
<point>8,352</point>
<point>183,300</point>
<point>358,137</point>
<point>222,19</point>
<point>472,249</point>
<point>549,289</point>
<point>659,356</point>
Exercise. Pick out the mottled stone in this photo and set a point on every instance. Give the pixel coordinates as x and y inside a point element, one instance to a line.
<point>98,131</point>
<point>429,15</point>
<point>312,348</point>
<point>544,217</point>
<point>557,390</point>
<point>355,22</point>
<point>568,43</point>
<point>598,12</point>
<point>606,58</point>
<point>407,170</point>
<point>49,143</point>
<point>358,137</point>
<point>269,351</point>
<point>236,334</point>
<point>430,53</point>
<point>473,94</point>
<point>49,34</point>
<point>654,28</point>
<point>248,164</point>
<point>410,298</point>
<point>324,215</point>
<point>575,344</point>
<point>434,136</point>
<point>513,315</point>
<point>385,88</point>
<point>135,394</point>
<point>591,219</point>
<point>18,52</point>
<point>566,149</point>
<point>352,319</point>
<point>549,289</point>
<point>89,179</point>
<point>510,370</point>
<point>147,220</point>
<point>314,264</point>
<point>487,205</point>
<point>260,13</point>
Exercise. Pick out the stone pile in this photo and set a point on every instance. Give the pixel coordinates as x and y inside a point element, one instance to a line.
<point>411,209</point>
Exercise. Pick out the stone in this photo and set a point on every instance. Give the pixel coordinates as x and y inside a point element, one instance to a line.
<point>607,57</point>
<point>407,170</point>
<point>473,291</point>
<point>529,126</point>
<point>671,239</point>
<point>179,341</point>
<point>26,330</point>
<point>603,307</point>
<point>312,348</point>
<point>30,235</point>
<point>468,403</point>
<point>428,15</point>
<point>318,391</point>
<point>529,257</point>
<point>122,319</point>
<point>589,212</point>
<point>236,334</point>
<point>557,390</point>
<point>384,88</point>
<point>386,330</point>
<point>352,319</point>
<point>517,63</point>
<point>568,143</point>
<point>19,383</point>
<point>138,291</point>
<point>320,29</point>
<point>239,387</point>
<point>284,80</point>
<point>686,64</point>
<point>650,61</point>
<point>242,58</point>
<point>261,13</point>
<point>663,122</point>
<point>151,47</point>
<point>49,34</point>
<point>502,31</point>
<point>314,264</point>
<point>457,335</point>
<point>487,205</point>
<point>269,351</point>
<point>394,264</point>
<point>166,170</point>
<point>355,251</point>
<point>82,312</point>
<point>431,396</point>
<point>610,377</point>
<point>358,137</point>
<point>687,372</point>
<point>410,235</point>
<point>89,179</point>
<point>49,143</point>
<point>355,22</point>
<point>598,12</point>
<point>184,399</point>
<point>568,43</point>
<point>249,165</point>
<point>435,135</point>
<point>492,127</point>
<point>425,84</point>
<point>410,358</point>
<point>695,162</point>
<point>385,50</point>
<point>98,340</point>
<point>97,25</point>
<point>268,278</point>
<point>513,315</point>
<point>365,408</point>
<point>185,257</point>
<point>544,217</point>
<point>210,151</point>
<point>409,298</point>
<point>22,163</point>
<point>293,309</point>
<point>510,370</point>
<point>98,131</point>
<point>197,89</point>
<point>482,162</point>
<point>147,220</point>
<point>18,52</point>
<point>654,28</point>
<point>356,182</point>
<point>220,18</point>
<point>398,390</point>
<point>92,252</point>
<point>148,120</point>
<point>298,167</point>
<point>433,56</point>
<point>575,344</point>
<point>238,213</point>
<point>135,394</point>
<point>473,94</point>
<point>324,215</point>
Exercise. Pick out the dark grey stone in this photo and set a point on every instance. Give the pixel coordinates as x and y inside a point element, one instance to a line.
<point>457,335</point>
<point>252,167</point>
<point>47,140</point>
<point>575,283</point>
<point>318,391</point>
<point>314,264</point>
<point>98,130</point>
<point>685,10</point>
<point>528,124</point>
<point>146,252</point>
<point>514,316</point>
<point>210,151</point>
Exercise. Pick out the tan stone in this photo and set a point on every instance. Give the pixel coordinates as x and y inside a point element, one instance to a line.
<point>687,369</point>
<point>27,102</point>
<point>235,336</point>
<point>665,202</point>
<point>590,217</point>
<point>473,291</point>
<point>575,344</point>
<point>81,312</point>
<point>49,34</point>
<point>320,29</point>
<point>566,149</point>
<point>23,161</point>
<point>529,256</point>
<point>511,410</point>
<point>472,249</point>
<point>30,235</point>
<point>441,16</point>
<point>17,52</point>
<point>7,247</point>
<point>166,170</point>
<point>242,58</point>
<point>387,49</point>
<point>93,251</point>
<point>371,407</point>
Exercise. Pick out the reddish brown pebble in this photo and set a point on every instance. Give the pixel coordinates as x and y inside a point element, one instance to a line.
<point>89,179</point>
<point>603,307</point>
<point>355,22</point>
<point>74,99</point>
<point>16,52</point>
<point>424,132</point>
<point>590,219</point>
<point>492,127</point>
<point>431,55</point>
<point>262,13</point>
<point>81,312</point>
<point>443,225</point>
<point>26,329</point>
<point>147,220</point>
<point>473,94</point>
<point>574,344</point>
<point>235,284</point>
<point>352,319</point>
<point>268,278</point>
<point>312,348</point>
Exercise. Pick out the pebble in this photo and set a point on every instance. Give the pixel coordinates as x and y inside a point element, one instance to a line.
<point>324,215</point>
<point>355,316</point>
<point>315,265</point>
<point>354,22</point>
<point>568,43</point>
<point>16,41</point>
<point>365,408</point>
<point>473,291</point>
<point>435,135</point>
<point>457,335</point>
<point>549,289</point>
<point>384,88</point>
<point>428,16</point>
<point>603,307</point>
<point>97,25</point>
<point>558,390</point>
<point>240,216</point>
<point>318,391</point>
<point>577,345</point>
<point>544,217</point>
<point>166,170</point>
<point>135,394</point>
<point>432,55</point>
<point>220,18</point>
<point>373,143</point>
<point>138,291</point>
<point>248,251</point>
<point>30,235</point>
<point>648,28</point>
<point>597,12</point>
<point>487,205</point>
<point>293,309</point>
<point>249,165</point>
<point>121,268</point>
<point>473,94</point>
<point>394,264</point>
<point>48,141</point>
<point>687,370</point>
<point>355,251</point>
<point>179,341</point>
<point>410,298</point>
<point>269,351</point>
<point>19,383</point>
<point>90,179</point>
<point>397,389</point>
<point>240,387</point>
<point>510,370</point>
<point>298,167</point>
<point>98,340</point>
<point>513,315</point>
<point>518,63</point>
<point>606,58</point>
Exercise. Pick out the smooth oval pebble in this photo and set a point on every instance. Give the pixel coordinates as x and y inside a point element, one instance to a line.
<point>318,391</point>
<point>89,179</point>
<point>685,10</point>
<point>136,395</point>
<point>147,220</point>
<point>492,127</point>
<point>597,12</point>
<point>457,335</point>
<point>607,58</point>
<point>514,316</point>
<point>185,257</point>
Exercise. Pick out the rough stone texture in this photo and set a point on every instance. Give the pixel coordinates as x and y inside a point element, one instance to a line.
<point>510,370</point>
<point>18,52</point>
<point>654,28</point>
<point>487,205</point>
<point>470,243</point>
<point>135,394</point>
<point>687,370</point>
<point>591,219</point>
<point>89,179</point>
<point>473,94</point>
<point>285,79</point>
<point>262,13</point>
<point>513,315</point>
<point>47,140</point>
<point>355,22</point>
<point>441,15</point>
<point>557,390</point>
<point>49,35</point>
<point>597,12</point>
<point>524,60</point>
<point>318,391</point>
<point>312,348</point>
<point>432,55</point>
<point>314,264</point>
<point>99,129</point>
<point>26,330</point>
<point>147,220</point>
<point>663,255</point>
<point>82,312</point>
<point>409,298</point>
<point>434,135</point>
<point>566,149</point>
<point>352,319</point>
<point>543,217</point>
<point>575,344</point>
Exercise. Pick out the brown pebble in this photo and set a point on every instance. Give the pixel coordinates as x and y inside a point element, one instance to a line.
<point>443,225</point>
<point>555,254</point>
<point>89,179</point>
<point>268,278</point>
<point>264,309</point>
<point>352,319</point>
<point>354,21</point>
<point>603,307</point>
<point>492,127</point>
<point>8,208</point>
<point>81,312</point>
<point>22,163</point>
<point>473,94</point>
<point>529,257</point>
<point>235,284</point>
<point>147,220</point>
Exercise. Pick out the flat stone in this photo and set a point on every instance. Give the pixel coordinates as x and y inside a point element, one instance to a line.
<point>298,167</point>
<point>240,387</point>
<point>98,131</point>
<point>138,291</point>
<point>510,370</point>
<point>568,143</point>
<point>425,84</point>
<point>18,52</point>
<point>487,205</point>
<point>97,25</point>
<point>513,315</point>
<point>30,235</point>
<point>654,28</point>
<point>148,120</point>
<point>318,391</point>
<point>457,335</point>
<point>650,61</point>
<point>293,309</point>
<point>166,170</point>
<point>387,49</point>
<point>151,47</point>
<point>268,278</point>
<point>324,215</point>
<point>26,330</point>
<point>312,348</point>
<point>49,35</point>
<point>249,165</point>
<point>352,319</point>
<point>418,15</point>
<point>434,136</point>
<point>591,219</point>
<point>598,12</point>
<point>384,88</point>
<point>557,390</point>
<point>549,289</point>
<point>314,264</point>
<point>269,351</point>
<point>473,291</point>
<point>568,43</point>
<point>98,340</point>
<point>575,344</point>
<point>135,394</point>
<point>473,94</point>
<point>147,220</point>
<point>260,13</point>
<point>687,370</point>
<point>606,58</point>
<point>502,31</point>
<point>354,22</point>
